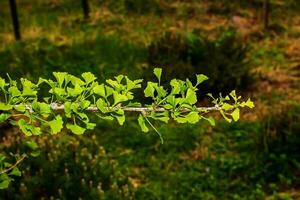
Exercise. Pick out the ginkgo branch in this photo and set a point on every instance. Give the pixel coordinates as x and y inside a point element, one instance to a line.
<point>58,107</point>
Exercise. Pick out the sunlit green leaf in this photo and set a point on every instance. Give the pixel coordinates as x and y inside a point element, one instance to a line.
<point>84,104</point>
<point>175,86</point>
<point>2,83</point>
<point>225,117</point>
<point>236,114</point>
<point>149,90</point>
<point>119,78</point>
<point>248,103</point>
<point>142,124</point>
<point>77,90</point>
<point>14,91</point>
<point>210,120</point>
<point>15,172</point>
<point>120,119</point>
<point>5,107</point>
<point>42,108</point>
<point>56,125</point>
<point>119,98</point>
<point>90,126</point>
<point>4,117</point>
<point>60,77</point>
<point>161,92</point>
<point>100,90</point>
<point>68,109</point>
<point>226,106</point>
<point>28,129</point>
<point>88,77</point>
<point>192,117</point>
<point>76,129</point>
<point>201,78</point>
<point>157,72</point>
<point>191,97</point>
<point>102,105</point>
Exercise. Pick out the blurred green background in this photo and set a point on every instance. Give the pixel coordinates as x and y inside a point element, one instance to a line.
<point>255,158</point>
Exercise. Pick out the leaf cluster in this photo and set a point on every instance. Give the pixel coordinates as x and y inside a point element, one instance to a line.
<point>72,99</point>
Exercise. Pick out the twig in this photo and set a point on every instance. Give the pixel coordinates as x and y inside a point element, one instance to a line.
<point>13,166</point>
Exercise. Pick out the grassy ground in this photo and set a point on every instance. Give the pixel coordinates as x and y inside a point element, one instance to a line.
<point>246,160</point>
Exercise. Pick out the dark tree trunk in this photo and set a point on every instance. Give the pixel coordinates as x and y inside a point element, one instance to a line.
<point>86,9</point>
<point>266,14</point>
<point>15,20</point>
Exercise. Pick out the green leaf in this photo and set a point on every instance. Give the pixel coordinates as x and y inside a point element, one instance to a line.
<point>76,129</point>
<point>248,103</point>
<point>56,125</point>
<point>29,89</point>
<point>68,109</point>
<point>119,78</point>
<point>73,92</point>
<point>102,105</point>
<point>20,108</point>
<point>192,117</point>
<point>233,95</point>
<point>15,172</point>
<point>161,116</point>
<point>42,108</point>
<point>59,91</point>
<point>149,90</point>
<point>236,114</point>
<point>180,120</point>
<point>120,119</point>
<point>210,120</point>
<point>142,123</point>
<point>175,86</point>
<point>35,153</point>
<point>60,77</point>
<point>110,118</point>
<point>168,106</point>
<point>225,117</point>
<point>134,104</point>
<point>28,129</point>
<point>90,126</point>
<point>2,158</point>
<point>14,91</point>
<point>32,145</point>
<point>84,104</point>
<point>100,90</point>
<point>133,84</point>
<point>226,106</point>
<point>4,117</point>
<point>191,97</point>
<point>5,183</point>
<point>75,80</point>
<point>2,83</point>
<point>161,92</point>
<point>113,83</point>
<point>157,72</point>
<point>5,107</point>
<point>201,78</point>
<point>88,77</point>
<point>119,98</point>
<point>109,91</point>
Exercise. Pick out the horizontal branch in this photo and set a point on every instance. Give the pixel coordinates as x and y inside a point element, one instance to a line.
<point>55,106</point>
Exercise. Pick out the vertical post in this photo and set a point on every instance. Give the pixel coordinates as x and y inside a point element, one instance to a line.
<point>86,9</point>
<point>15,20</point>
<point>266,14</point>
